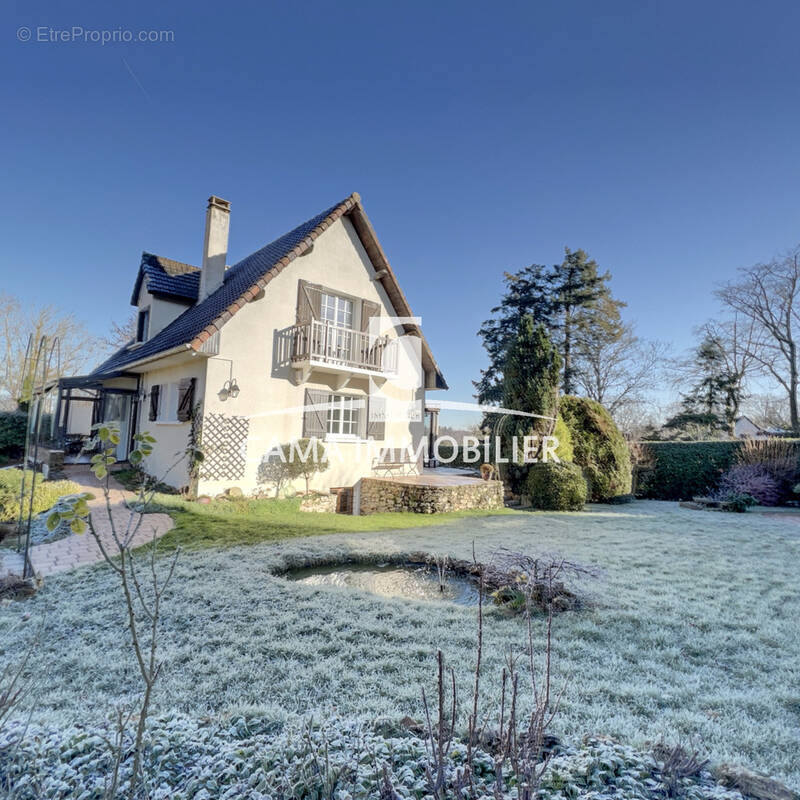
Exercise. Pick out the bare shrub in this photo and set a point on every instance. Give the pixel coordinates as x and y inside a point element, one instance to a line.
<point>676,763</point>
<point>142,591</point>
<point>749,479</point>
<point>16,587</point>
<point>14,686</point>
<point>778,457</point>
<point>516,580</point>
<point>520,742</point>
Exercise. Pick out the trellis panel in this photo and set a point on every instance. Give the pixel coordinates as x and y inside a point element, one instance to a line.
<point>224,446</point>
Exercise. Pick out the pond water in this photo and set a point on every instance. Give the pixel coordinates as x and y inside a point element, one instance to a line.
<point>391,580</point>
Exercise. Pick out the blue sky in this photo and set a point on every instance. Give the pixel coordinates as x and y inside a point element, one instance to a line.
<point>660,137</point>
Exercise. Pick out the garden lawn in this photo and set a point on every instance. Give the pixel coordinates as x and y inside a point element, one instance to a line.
<point>46,493</point>
<point>690,635</point>
<point>224,523</point>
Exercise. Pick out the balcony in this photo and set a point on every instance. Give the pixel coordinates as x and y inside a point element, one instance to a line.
<point>325,347</point>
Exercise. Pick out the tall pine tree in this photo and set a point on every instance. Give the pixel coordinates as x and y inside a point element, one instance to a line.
<point>571,300</point>
<point>530,383</point>
<point>531,371</point>
<point>713,401</point>
<point>579,291</point>
<point>528,292</point>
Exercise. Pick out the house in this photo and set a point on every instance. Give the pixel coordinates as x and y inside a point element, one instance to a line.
<point>745,428</point>
<point>310,336</point>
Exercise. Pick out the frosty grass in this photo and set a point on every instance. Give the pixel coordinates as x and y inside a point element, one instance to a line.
<point>247,760</point>
<point>690,636</point>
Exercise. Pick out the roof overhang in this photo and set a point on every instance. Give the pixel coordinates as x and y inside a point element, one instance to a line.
<point>354,210</point>
<point>135,367</point>
<point>83,381</point>
<point>369,239</point>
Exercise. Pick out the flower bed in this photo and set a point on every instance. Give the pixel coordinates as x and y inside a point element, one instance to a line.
<point>248,759</point>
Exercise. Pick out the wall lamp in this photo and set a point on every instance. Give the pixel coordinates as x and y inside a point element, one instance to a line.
<point>229,389</point>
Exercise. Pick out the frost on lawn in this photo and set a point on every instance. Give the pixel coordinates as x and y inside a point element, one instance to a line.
<point>693,632</point>
<point>249,760</point>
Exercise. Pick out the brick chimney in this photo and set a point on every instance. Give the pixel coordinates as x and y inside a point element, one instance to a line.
<point>215,246</point>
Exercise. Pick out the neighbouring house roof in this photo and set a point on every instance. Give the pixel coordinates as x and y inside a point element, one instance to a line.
<point>769,431</point>
<point>164,276</point>
<point>244,280</point>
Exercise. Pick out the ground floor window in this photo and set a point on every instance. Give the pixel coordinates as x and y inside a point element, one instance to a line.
<point>343,415</point>
<point>168,406</point>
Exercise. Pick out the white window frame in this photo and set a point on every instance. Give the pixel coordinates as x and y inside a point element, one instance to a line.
<point>168,403</point>
<point>335,428</point>
<point>340,305</point>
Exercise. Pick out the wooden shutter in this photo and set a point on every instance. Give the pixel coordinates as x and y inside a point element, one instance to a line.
<point>376,418</point>
<point>315,419</point>
<point>185,398</point>
<point>368,311</point>
<point>309,302</point>
<point>154,392</point>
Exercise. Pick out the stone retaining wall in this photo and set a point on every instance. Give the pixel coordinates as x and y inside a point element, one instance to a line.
<point>324,503</point>
<point>379,495</point>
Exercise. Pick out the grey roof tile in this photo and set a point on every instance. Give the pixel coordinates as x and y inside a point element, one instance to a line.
<point>238,279</point>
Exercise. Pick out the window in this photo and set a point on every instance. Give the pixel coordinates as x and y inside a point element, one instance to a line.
<point>168,403</point>
<point>143,325</point>
<point>337,310</point>
<point>343,415</point>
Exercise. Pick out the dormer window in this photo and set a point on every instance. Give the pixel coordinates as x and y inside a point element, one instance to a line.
<point>143,325</point>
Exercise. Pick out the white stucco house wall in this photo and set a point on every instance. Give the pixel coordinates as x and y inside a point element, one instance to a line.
<point>309,336</point>
<point>745,428</point>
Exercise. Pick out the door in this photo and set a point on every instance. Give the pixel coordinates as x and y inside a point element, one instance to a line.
<point>338,313</point>
<point>117,411</point>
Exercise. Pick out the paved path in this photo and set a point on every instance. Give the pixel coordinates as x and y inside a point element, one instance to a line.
<point>75,551</point>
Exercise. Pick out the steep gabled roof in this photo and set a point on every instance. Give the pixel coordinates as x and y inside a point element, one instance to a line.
<point>164,276</point>
<point>244,280</point>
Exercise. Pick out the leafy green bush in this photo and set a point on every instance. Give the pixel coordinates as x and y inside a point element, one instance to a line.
<point>556,487</point>
<point>682,470</point>
<point>46,495</point>
<point>565,450</point>
<point>12,432</point>
<point>516,475</point>
<point>599,448</point>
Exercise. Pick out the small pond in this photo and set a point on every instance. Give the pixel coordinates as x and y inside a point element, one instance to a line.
<point>391,580</point>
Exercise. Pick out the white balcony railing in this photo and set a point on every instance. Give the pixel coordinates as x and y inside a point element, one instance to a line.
<point>335,345</point>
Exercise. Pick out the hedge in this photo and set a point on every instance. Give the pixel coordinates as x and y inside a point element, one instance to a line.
<point>682,470</point>
<point>12,432</point>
